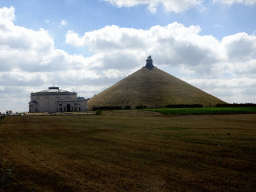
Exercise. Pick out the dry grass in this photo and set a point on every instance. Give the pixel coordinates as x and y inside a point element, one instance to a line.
<point>122,153</point>
<point>151,88</point>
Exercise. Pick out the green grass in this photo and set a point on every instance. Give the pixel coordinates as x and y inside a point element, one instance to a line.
<point>205,111</point>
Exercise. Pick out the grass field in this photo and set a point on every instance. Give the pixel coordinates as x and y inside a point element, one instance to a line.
<point>205,111</point>
<point>122,153</point>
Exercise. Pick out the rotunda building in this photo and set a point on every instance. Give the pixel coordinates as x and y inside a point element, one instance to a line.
<point>54,99</point>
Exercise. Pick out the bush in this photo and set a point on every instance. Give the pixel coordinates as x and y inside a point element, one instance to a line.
<point>98,112</point>
<point>237,105</point>
<point>127,107</point>
<point>107,108</point>
<point>141,107</point>
<point>185,106</point>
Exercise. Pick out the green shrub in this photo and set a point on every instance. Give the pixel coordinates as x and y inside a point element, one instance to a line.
<point>127,107</point>
<point>141,107</point>
<point>107,108</point>
<point>98,112</point>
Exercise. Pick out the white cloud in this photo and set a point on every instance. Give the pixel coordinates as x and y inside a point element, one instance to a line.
<point>169,5</point>
<point>173,45</point>
<point>7,13</point>
<point>28,59</point>
<point>126,46</point>
<point>235,90</point>
<point>174,5</point>
<point>223,83</point>
<point>113,73</point>
<point>240,47</point>
<point>63,22</point>
<point>237,69</point>
<point>230,2</point>
<point>120,50</point>
<point>29,50</point>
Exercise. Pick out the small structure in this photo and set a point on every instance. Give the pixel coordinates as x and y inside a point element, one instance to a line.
<point>56,100</point>
<point>149,63</point>
<point>9,112</point>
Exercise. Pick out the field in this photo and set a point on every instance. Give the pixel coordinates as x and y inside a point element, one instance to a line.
<point>129,153</point>
<point>205,110</point>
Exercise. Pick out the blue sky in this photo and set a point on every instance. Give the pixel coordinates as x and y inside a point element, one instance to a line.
<point>87,46</point>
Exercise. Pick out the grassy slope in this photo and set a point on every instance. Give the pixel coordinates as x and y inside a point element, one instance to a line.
<point>97,153</point>
<point>151,88</point>
<point>205,111</point>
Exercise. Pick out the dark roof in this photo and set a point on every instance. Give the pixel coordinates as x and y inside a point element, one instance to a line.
<point>80,98</point>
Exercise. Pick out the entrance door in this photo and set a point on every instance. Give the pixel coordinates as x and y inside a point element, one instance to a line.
<point>68,107</point>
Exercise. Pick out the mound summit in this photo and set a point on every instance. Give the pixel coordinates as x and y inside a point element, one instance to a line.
<point>151,87</point>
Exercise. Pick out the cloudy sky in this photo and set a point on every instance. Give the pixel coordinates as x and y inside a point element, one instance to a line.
<point>87,46</point>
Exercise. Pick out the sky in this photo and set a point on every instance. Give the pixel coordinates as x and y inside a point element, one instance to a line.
<point>87,46</point>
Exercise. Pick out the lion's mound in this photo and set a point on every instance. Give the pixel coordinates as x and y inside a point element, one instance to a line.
<point>151,87</point>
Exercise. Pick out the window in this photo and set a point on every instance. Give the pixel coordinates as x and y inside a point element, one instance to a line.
<point>60,104</point>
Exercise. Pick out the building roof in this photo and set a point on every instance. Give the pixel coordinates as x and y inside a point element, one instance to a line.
<point>32,102</point>
<point>52,90</point>
<point>80,98</point>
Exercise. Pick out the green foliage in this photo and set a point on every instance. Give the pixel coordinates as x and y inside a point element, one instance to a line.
<point>110,108</point>
<point>185,106</point>
<point>141,107</point>
<point>98,112</point>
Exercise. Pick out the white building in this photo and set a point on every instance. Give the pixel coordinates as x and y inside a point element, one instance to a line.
<point>56,100</point>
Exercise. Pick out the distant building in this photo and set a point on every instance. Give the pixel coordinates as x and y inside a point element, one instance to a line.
<point>8,112</point>
<point>56,100</point>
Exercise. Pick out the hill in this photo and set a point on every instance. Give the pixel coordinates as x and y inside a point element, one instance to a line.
<point>152,87</point>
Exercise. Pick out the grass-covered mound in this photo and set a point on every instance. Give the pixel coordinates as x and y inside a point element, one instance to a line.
<point>151,89</point>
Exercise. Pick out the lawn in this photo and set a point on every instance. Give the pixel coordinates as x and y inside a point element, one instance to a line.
<point>205,111</point>
<point>122,153</point>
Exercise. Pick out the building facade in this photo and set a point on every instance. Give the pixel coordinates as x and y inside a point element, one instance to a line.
<point>56,100</point>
